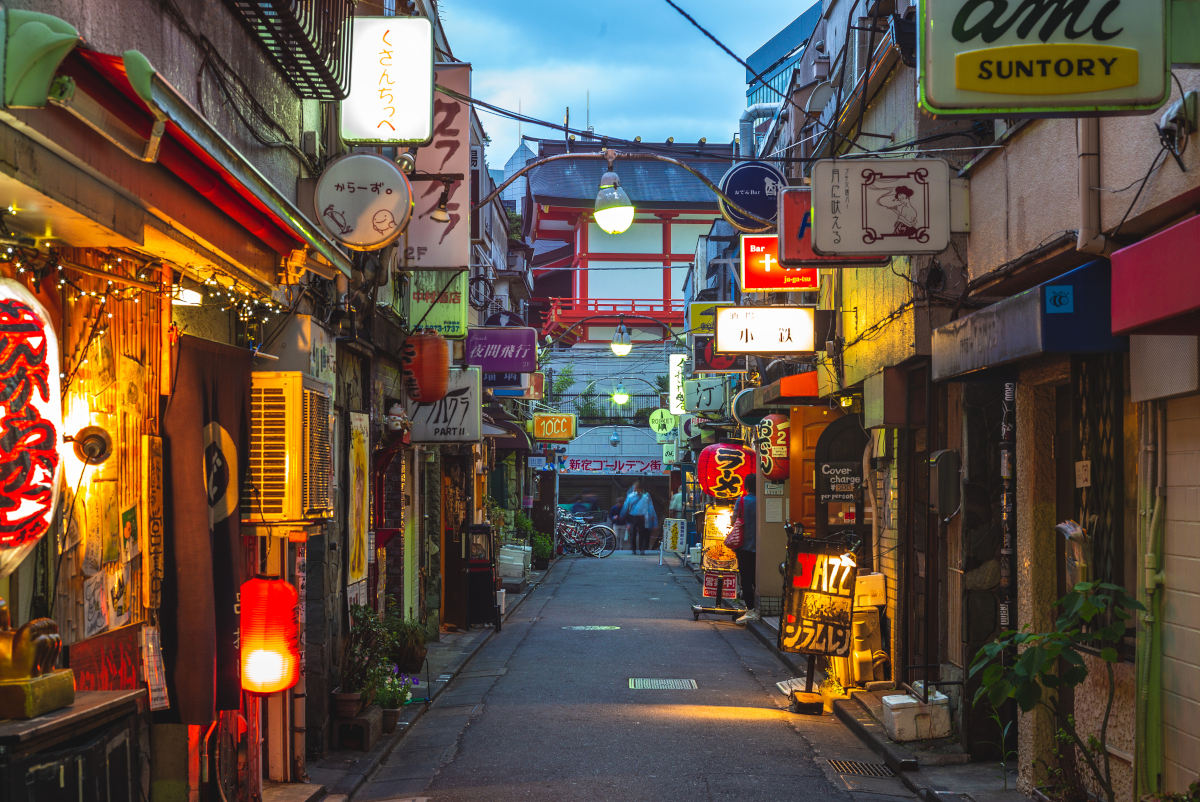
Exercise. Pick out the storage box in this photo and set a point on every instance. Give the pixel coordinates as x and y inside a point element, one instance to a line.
<point>907,718</point>
<point>870,590</point>
<point>694,555</point>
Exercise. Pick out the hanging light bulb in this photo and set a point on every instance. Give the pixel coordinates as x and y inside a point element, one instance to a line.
<point>621,343</point>
<point>614,439</point>
<point>614,210</point>
<point>440,214</point>
<point>620,395</point>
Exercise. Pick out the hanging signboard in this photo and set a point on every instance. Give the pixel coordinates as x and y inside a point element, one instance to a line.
<point>763,272</point>
<point>456,418</point>
<point>662,421</point>
<point>537,387</point>
<point>502,350</point>
<point>702,316</point>
<point>439,302</point>
<point>432,244</point>
<point>391,82</point>
<point>1042,59</point>
<point>755,187</point>
<point>818,601</point>
<point>614,466</point>
<point>704,395</point>
<point>516,381</point>
<point>875,207</point>
<point>363,200</point>
<point>795,234</point>
<point>675,398</point>
<point>838,481</point>
<point>705,358</point>
<point>670,453</point>
<point>774,330</point>
<point>556,426</point>
<point>675,534</point>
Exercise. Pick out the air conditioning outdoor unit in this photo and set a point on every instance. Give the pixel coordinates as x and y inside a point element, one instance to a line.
<point>289,462</point>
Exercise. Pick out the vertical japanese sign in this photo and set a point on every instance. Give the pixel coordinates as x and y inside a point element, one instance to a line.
<point>358,500</point>
<point>674,534</point>
<point>675,383</point>
<point>432,245</point>
<point>391,82</point>
<point>458,417</point>
<point>438,301</point>
<point>818,602</point>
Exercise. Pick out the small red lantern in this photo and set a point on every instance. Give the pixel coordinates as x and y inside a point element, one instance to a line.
<point>723,468</point>
<point>773,433</point>
<point>270,635</point>
<point>425,360</point>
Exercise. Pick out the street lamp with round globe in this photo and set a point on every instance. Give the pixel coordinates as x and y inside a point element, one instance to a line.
<point>614,210</point>
<point>621,343</point>
<point>620,395</point>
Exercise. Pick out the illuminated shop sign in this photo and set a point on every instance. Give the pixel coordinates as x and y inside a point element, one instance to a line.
<point>762,270</point>
<point>1044,58</point>
<point>554,426</point>
<point>765,329</point>
<point>391,82</point>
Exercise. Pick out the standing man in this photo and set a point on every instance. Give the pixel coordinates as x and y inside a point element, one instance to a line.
<point>746,555</point>
<point>633,519</point>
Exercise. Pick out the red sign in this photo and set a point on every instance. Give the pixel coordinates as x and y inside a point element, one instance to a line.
<point>722,469</point>
<point>726,581</point>
<point>794,240</point>
<point>762,270</point>
<point>108,662</point>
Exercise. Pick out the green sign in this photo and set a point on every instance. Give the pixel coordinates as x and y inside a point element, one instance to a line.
<point>437,299</point>
<point>662,421</point>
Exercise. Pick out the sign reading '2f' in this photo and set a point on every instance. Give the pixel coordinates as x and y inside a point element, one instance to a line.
<point>1044,58</point>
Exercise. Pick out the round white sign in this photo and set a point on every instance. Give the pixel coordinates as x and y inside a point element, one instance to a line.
<point>364,201</point>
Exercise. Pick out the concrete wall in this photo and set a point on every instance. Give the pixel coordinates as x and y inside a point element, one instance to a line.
<point>1181,600</point>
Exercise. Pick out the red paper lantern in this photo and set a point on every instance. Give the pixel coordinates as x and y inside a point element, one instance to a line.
<point>425,360</point>
<point>723,468</point>
<point>270,635</point>
<point>773,433</point>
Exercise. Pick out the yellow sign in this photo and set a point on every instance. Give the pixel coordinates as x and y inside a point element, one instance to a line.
<point>675,534</point>
<point>1046,69</point>
<point>662,421</point>
<point>702,316</point>
<point>553,426</point>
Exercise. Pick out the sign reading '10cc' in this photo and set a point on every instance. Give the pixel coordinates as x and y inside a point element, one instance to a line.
<point>1011,57</point>
<point>553,426</point>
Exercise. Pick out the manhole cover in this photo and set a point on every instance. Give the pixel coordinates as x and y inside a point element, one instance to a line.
<point>593,628</point>
<point>861,769</point>
<point>649,684</point>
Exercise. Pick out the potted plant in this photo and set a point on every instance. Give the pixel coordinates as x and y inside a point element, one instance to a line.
<point>407,648</point>
<point>393,691</point>
<point>367,646</point>
<point>543,549</point>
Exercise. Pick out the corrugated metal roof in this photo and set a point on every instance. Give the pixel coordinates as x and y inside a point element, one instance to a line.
<point>795,34</point>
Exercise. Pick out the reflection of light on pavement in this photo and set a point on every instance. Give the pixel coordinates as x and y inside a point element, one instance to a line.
<point>667,713</point>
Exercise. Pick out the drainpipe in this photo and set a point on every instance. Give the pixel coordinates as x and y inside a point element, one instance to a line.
<point>1090,238</point>
<point>750,116</point>
<point>167,105</point>
<point>1152,502</point>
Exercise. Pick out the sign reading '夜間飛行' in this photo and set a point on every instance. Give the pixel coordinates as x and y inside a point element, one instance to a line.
<point>1044,58</point>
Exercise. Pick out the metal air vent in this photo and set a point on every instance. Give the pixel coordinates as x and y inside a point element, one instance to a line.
<point>268,452</point>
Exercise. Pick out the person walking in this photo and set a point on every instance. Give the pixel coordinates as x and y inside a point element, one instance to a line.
<point>647,517</point>
<point>617,521</point>
<point>747,552</point>
<point>633,520</point>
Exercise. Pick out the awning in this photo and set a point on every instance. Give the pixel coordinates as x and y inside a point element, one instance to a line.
<point>1156,283</point>
<point>130,89</point>
<point>799,389</point>
<point>1070,314</point>
<point>507,435</point>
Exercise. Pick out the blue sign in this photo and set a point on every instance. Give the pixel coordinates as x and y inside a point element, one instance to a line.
<point>1060,299</point>
<point>755,186</point>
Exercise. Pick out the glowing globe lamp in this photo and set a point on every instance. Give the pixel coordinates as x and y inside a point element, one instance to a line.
<point>722,469</point>
<point>620,395</point>
<point>621,343</point>
<point>614,210</point>
<point>270,635</point>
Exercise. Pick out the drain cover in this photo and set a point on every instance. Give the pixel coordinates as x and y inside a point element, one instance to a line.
<point>648,684</point>
<point>861,769</point>
<point>593,628</point>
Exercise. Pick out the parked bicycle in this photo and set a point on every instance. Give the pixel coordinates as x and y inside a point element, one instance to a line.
<point>580,536</point>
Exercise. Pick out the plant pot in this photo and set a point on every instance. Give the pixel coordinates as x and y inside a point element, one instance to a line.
<point>347,704</point>
<point>391,716</point>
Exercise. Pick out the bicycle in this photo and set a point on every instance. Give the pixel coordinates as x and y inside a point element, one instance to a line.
<point>579,535</point>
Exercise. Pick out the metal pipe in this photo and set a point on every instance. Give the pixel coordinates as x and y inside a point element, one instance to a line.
<point>1090,238</point>
<point>746,125</point>
<point>165,103</point>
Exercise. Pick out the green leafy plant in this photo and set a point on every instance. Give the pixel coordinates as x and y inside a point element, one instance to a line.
<point>523,525</point>
<point>1192,794</point>
<point>395,688</point>
<point>1007,753</point>
<point>407,644</point>
<point>543,546</point>
<point>1032,667</point>
<point>560,382</point>
<point>367,646</point>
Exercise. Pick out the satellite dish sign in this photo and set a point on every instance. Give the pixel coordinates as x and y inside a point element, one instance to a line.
<point>755,186</point>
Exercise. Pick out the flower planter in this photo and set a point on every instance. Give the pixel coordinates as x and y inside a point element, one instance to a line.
<point>346,704</point>
<point>391,716</point>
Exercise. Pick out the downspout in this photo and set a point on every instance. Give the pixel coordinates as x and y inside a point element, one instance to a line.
<point>1152,499</point>
<point>1090,239</point>
<point>166,104</point>
<point>750,116</point>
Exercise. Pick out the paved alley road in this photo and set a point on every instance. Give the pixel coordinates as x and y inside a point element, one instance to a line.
<point>544,711</point>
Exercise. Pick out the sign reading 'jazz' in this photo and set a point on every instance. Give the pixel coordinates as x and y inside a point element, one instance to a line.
<point>1043,58</point>
<point>818,603</point>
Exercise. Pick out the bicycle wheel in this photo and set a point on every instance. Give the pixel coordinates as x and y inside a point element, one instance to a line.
<point>599,540</point>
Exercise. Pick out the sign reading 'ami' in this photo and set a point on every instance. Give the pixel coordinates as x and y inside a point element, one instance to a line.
<point>762,270</point>
<point>1049,57</point>
<point>765,329</point>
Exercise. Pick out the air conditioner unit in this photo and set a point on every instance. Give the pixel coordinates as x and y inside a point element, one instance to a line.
<point>288,471</point>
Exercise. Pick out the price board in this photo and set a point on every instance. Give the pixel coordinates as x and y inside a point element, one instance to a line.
<point>818,600</point>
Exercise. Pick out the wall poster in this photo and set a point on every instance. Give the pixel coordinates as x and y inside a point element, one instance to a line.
<point>357,499</point>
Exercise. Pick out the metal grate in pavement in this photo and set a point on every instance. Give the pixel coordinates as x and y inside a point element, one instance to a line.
<point>860,769</point>
<point>591,628</point>
<point>650,684</point>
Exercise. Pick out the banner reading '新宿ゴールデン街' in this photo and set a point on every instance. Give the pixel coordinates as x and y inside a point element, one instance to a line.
<point>1049,58</point>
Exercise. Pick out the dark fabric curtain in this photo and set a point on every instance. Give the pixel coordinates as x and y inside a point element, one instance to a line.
<point>205,428</point>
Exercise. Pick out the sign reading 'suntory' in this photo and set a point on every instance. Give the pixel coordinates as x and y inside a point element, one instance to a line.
<point>1043,57</point>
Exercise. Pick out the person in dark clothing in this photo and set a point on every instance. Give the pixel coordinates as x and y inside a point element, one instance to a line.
<point>747,554</point>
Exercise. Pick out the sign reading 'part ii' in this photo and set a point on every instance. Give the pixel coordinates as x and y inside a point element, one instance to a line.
<point>1042,58</point>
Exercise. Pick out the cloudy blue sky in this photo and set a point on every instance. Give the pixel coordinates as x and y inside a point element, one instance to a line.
<point>642,68</point>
